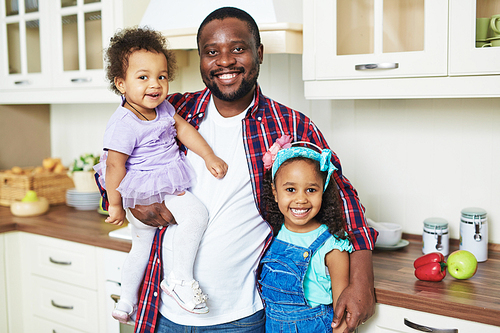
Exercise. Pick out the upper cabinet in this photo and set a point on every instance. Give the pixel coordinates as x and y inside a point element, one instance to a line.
<point>399,49</point>
<point>474,45</point>
<point>24,28</point>
<point>81,30</point>
<point>53,49</point>
<point>379,38</point>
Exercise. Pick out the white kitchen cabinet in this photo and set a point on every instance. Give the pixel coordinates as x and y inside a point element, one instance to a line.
<point>376,38</point>
<point>391,319</point>
<point>81,30</point>
<point>465,57</point>
<point>54,286</point>
<point>53,49</point>
<point>397,49</point>
<point>45,326</point>
<point>64,304</point>
<point>24,28</point>
<point>3,294</point>
<point>17,279</point>
<point>54,43</point>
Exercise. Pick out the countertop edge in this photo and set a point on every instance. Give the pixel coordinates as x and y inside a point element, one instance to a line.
<point>463,311</point>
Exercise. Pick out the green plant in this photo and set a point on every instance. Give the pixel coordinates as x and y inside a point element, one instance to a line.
<point>84,163</point>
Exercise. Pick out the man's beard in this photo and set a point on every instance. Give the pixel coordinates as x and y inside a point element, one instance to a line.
<point>245,87</point>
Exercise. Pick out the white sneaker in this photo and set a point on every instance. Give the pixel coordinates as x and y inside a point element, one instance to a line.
<point>195,303</point>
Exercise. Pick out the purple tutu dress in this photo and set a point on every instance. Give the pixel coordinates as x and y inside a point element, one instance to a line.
<point>156,167</point>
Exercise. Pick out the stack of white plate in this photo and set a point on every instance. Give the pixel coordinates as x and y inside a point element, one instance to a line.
<point>82,200</point>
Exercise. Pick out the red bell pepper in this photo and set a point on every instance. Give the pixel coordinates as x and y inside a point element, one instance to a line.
<point>430,267</point>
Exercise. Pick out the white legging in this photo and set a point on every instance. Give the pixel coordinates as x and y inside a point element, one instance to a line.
<point>191,217</point>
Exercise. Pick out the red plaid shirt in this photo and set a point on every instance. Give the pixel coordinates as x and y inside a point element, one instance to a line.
<point>266,121</point>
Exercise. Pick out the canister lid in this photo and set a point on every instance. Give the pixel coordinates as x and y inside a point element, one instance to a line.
<point>435,223</point>
<point>470,212</point>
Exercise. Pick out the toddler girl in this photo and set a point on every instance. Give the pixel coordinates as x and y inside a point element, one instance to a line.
<point>142,164</point>
<point>308,260</point>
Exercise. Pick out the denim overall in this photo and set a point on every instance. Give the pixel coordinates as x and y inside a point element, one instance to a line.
<point>282,281</point>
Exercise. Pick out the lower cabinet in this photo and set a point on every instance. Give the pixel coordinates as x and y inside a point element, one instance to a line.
<point>391,319</point>
<point>3,295</point>
<point>56,285</point>
<point>46,326</point>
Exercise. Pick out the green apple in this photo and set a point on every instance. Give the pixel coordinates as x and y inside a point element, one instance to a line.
<point>30,197</point>
<point>462,264</point>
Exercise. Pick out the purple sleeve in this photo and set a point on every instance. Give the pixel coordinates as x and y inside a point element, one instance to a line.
<point>120,136</point>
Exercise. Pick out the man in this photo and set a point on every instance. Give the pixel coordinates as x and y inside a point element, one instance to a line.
<point>240,124</point>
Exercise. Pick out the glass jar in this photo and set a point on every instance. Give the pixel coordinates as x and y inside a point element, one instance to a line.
<point>435,237</point>
<point>474,232</point>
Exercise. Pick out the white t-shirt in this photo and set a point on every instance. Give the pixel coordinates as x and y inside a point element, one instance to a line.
<point>231,247</point>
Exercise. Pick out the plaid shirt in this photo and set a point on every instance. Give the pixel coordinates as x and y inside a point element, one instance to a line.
<point>265,122</point>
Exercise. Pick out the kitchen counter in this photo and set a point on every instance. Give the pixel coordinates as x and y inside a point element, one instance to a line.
<point>476,299</point>
<point>63,222</point>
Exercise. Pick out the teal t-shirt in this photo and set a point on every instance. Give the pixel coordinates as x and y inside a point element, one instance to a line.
<point>317,283</point>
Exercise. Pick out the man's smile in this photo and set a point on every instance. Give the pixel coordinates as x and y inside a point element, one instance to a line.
<point>227,76</point>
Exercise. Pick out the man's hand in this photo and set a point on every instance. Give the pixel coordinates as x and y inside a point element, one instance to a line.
<point>154,215</point>
<point>357,301</point>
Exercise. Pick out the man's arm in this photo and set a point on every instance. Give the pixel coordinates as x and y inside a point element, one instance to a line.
<point>358,299</point>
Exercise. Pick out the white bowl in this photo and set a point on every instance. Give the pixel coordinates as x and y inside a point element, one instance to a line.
<point>389,234</point>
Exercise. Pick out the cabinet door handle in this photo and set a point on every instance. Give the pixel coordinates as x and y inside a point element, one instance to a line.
<point>383,65</point>
<point>81,79</point>
<point>115,297</point>
<point>18,83</point>
<point>65,307</point>
<point>66,263</point>
<point>422,328</point>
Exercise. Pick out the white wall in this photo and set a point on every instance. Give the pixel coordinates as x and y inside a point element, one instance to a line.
<point>408,159</point>
<point>77,129</point>
<point>414,159</point>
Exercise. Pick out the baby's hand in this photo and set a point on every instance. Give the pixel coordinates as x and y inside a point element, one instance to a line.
<point>116,215</point>
<point>216,166</point>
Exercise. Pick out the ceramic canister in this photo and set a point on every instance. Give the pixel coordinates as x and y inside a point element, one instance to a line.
<point>435,237</point>
<point>474,232</point>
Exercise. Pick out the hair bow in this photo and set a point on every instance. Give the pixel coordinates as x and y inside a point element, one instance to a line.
<point>270,155</point>
<point>279,153</point>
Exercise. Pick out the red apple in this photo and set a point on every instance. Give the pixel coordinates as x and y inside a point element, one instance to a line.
<point>462,264</point>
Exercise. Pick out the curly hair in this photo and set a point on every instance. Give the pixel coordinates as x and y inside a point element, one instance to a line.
<point>129,40</point>
<point>331,212</point>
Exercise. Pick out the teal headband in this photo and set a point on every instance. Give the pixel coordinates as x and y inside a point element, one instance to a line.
<point>324,159</point>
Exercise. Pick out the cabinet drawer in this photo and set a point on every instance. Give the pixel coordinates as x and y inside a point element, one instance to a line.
<point>65,304</point>
<point>390,319</point>
<point>45,326</point>
<point>63,260</point>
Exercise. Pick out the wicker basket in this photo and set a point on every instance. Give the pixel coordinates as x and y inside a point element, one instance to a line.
<point>51,186</point>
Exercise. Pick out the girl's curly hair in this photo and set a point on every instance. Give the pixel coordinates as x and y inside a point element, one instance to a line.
<point>331,212</point>
<point>129,40</point>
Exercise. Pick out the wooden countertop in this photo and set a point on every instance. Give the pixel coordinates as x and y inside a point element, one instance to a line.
<point>476,299</point>
<point>87,227</point>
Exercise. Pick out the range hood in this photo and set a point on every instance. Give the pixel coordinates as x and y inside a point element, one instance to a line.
<point>279,21</point>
